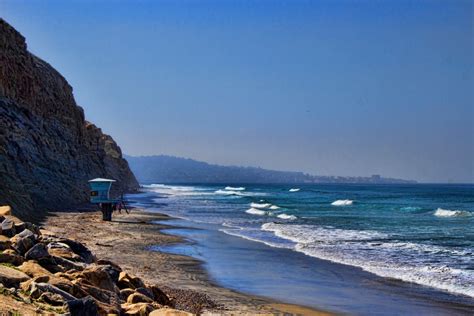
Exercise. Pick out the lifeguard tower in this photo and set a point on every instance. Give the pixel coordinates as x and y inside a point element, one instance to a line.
<point>100,194</point>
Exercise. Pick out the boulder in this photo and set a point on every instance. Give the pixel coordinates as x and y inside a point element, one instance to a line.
<point>33,269</point>
<point>62,250</point>
<point>8,227</point>
<point>111,269</point>
<point>145,291</point>
<point>80,250</point>
<point>125,293</point>
<point>138,309</point>
<point>23,241</point>
<point>38,251</point>
<point>108,302</point>
<point>127,281</point>
<point>52,299</point>
<point>83,307</point>
<point>5,242</point>
<point>37,289</point>
<point>19,227</point>
<point>97,276</point>
<point>169,312</point>
<point>5,210</point>
<point>11,257</point>
<point>11,277</point>
<point>159,296</point>
<point>138,298</point>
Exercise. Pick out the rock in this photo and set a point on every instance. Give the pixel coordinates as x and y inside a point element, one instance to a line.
<point>138,298</point>
<point>169,312</point>
<point>138,309</point>
<point>5,242</point>
<point>23,241</point>
<point>159,296</point>
<point>52,299</point>
<point>5,210</point>
<point>83,307</point>
<point>108,302</point>
<point>19,227</point>
<point>62,250</point>
<point>8,227</point>
<point>33,269</point>
<point>11,257</point>
<point>145,291</point>
<point>125,293</point>
<point>80,250</point>
<point>127,281</point>
<point>37,289</point>
<point>10,277</point>
<point>38,251</point>
<point>97,276</point>
<point>111,269</point>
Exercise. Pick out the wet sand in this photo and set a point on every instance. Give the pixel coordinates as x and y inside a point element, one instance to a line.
<point>126,241</point>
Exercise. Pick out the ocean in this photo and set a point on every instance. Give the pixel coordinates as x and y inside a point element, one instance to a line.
<point>419,234</point>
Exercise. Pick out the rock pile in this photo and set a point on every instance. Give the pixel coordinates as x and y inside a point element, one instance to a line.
<point>60,275</point>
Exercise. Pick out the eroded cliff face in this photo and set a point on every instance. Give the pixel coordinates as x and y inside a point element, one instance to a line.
<point>48,150</point>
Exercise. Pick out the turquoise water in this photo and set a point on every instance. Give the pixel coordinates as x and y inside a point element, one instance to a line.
<point>422,234</point>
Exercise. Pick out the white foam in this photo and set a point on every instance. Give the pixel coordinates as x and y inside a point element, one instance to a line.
<point>235,188</point>
<point>260,205</point>
<point>228,192</point>
<point>375,252</point>
<point>274,207</point>
<point>448,213</point>
<point>255,211</point>
<point>286,216</point>
<point>294,190</point>
<point>342,202</point>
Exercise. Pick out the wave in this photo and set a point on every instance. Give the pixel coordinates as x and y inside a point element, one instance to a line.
<point>448,213</point>
<point>255,211</point>
<point>260,205</point>
<point>228,192</point>
<point>274,207</point>
<point>342,202</point>
<point>235,188</point>
<point>286,216</point>
<point>410,208</point>
<point>294,190</point>
<point>376,253</point>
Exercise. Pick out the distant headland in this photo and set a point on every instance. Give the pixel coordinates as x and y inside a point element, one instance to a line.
<point>169,169</point>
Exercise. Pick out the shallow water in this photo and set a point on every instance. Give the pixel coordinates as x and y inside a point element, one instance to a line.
<point>421,234</point>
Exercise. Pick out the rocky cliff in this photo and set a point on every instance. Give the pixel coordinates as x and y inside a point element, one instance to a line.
<point>48,150</point>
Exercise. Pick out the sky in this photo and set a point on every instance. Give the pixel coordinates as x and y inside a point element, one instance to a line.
<point>349,88</point>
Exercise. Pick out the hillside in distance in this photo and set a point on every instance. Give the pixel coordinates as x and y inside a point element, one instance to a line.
<point>169,169</point>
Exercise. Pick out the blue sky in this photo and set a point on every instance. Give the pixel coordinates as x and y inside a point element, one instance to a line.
<point>325,87</point>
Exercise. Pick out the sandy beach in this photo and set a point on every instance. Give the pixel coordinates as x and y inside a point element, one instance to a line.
<point>126,241</point>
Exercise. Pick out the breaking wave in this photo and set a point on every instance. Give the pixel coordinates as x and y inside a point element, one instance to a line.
<point>235,188</point>
<point>342,202</point>
<point>255,211</point>
<point>286,216</point>
<point>294,190</point>
<point>448,213</point>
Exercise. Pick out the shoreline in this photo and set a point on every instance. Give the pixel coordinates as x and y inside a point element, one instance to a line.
<point>126,241</point>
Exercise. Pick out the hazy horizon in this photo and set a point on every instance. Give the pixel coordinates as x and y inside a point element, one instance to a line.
<point>349,88</point>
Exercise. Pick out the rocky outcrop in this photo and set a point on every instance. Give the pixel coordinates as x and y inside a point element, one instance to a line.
<point>48,150</point>
<point>58,275</point>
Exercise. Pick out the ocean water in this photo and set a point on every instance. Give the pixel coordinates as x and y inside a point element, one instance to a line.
<point>421,234</point>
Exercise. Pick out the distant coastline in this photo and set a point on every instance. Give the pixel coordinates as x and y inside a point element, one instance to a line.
<point>170,169</point>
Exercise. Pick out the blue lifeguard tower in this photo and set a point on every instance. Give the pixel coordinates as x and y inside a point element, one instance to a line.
<point>100,194</point>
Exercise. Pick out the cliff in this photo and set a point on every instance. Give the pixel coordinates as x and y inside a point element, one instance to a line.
<point>48,150</point>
